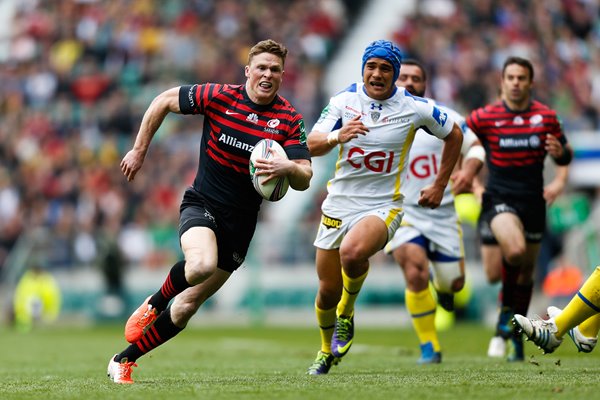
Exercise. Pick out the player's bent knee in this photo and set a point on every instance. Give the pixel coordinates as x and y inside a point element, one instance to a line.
<point>448,277</point>
<point>515,255</point>
<point>416,280</point>
<point>197,270</point>
<point>458,284</point>
<point>330,292</point>
<point>493,276</point>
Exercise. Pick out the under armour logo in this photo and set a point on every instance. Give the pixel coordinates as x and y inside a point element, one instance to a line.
<point>376,106</point>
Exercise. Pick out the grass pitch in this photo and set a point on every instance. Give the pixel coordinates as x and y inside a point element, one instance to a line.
<point>270,363</point>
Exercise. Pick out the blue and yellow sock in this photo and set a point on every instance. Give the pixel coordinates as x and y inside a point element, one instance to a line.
<point>421,307</point>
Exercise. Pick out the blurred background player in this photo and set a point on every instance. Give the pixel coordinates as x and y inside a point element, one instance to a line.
<point>219,212</point>
<point>580,319</point>
<point>431,236</point>
<point>491,255</point>
<point>517,132</point>
<point>374,124</point>
<point>37,298</point>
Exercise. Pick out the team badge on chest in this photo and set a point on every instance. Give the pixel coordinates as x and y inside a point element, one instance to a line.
<point>375,111</point>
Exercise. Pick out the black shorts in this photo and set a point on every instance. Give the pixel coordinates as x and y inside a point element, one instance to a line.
<point>530,210</point>
<point>233,230</point>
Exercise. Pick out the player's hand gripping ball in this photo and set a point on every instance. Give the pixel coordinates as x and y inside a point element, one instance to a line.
<point>275,189</point>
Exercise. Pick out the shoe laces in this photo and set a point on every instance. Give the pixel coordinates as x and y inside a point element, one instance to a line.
<point>323,360</point>
<point>125,369</point>
<point>149,315</point>
<point>343,327</point>
<point>543,324</point>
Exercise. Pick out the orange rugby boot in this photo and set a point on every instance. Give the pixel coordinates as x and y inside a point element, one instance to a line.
<point>140,321</point>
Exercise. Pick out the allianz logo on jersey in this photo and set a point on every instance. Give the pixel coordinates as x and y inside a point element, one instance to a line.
<point>512,142</point>
<point>233,142</point>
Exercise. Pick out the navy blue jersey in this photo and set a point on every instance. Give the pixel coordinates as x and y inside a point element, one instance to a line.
<point>514,142</point>
<point>233,124</point>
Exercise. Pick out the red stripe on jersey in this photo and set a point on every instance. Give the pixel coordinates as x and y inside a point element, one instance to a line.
<point>515,144</point>
<point>226,163</point>
<point>205,93</point>
<point>214,132</point>
<point>232,125</point>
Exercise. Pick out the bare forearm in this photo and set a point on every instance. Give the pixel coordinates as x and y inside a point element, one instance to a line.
<point>450,155</point>
<point>301,175</point>
<point>472,166</point>
<point>318,143</point>
<point>150,123</point>
<point>154,116</point>
<point>561,175</point>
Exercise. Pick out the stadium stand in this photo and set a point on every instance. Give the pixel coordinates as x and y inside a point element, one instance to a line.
<point>76,75</point>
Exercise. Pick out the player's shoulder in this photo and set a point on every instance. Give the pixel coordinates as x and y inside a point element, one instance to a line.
<point>446,108</point>
<point>410,98</point>
<point>495,107</point>
<point>541,107</point>
<point>283,105</point>
<point>349,91</point>
<point>212,90</point>
<point>221,87</point>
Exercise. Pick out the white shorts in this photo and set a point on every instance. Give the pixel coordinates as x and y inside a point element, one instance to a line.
<point>335,224</point>
<point>440,227</point>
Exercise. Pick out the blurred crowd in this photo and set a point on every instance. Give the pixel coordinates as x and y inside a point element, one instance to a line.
<point>78,74</point>
<point>74,83</point>
<point>464,43</point>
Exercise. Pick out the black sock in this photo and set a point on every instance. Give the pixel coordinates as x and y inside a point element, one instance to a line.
<point>522,297</point>
<point>161,331</point>
<point>173,285</point>
<point>510,274</point>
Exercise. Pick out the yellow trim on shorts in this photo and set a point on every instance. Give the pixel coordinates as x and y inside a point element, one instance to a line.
<point>392,215</point>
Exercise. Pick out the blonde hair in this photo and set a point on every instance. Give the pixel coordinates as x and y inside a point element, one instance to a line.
<point>268,46</point>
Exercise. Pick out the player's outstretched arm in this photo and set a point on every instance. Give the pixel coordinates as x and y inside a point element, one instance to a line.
<point>555,188</point>
<point>167,101</point>
<point>463,178</point>
<point>431,195</point>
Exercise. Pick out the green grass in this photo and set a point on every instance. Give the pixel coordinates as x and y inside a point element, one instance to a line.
<point>270,363</point>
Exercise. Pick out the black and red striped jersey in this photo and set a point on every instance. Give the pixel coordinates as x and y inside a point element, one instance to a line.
<point>515,145</point>
<point>233,124</point>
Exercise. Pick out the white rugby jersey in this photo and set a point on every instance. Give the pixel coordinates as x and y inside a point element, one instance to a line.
<point>371,169</point>
<point>425,157</point>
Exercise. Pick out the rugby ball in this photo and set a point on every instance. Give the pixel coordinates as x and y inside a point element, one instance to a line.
<point>273,190</point>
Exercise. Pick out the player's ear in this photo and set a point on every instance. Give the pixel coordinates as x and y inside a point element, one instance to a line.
<point>247,71</point>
